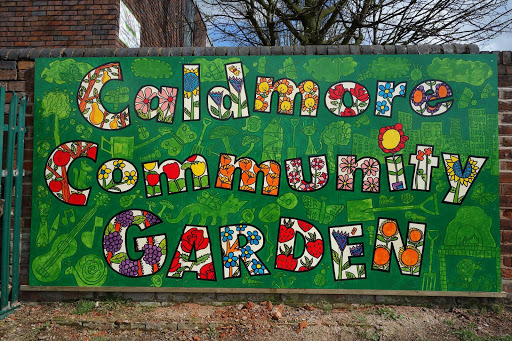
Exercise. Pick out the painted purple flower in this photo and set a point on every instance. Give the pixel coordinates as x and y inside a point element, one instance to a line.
<point>217,97</point>
<point>341,239</point>
<point>304,186</point>
<point>236,83</point>
<point>356,250</point>
<point>418,96</point>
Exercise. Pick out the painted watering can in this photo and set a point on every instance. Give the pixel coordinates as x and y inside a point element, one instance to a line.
<point>118,146</point>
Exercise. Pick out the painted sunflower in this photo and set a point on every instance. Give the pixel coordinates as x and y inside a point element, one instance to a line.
<point>456,173</point>
<point>409,257</point>
<point>392,138</point>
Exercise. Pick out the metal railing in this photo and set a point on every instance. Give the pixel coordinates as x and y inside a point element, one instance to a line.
<point>11,219</point>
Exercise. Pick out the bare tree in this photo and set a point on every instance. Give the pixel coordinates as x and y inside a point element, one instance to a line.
<point>317,22</point>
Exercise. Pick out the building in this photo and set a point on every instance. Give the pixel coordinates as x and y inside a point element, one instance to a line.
<point>101,24</point>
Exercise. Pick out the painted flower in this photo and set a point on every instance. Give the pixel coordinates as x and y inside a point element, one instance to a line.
<point>356,250</point>
<point>348,112</point>
<point>457,174</point>
<point>402,90</point>
<point>310,103</point>
<point>285,105</point>
<point>371,184</point>
<point>190,82</point>
<point>296,163</point>
<point>230,260</point>
<point>258,267</point>
<point>104,172</point>
<point>294,177</point>
<point>172,170</point>
<point>307,87</point>
<point>241,227</point>
<point>236,83</point>
<point>348,164</point>
<point>260,104</point>
<point>409,257</point>
<point>382,107</point>
<point>381,257</point>
<point>392,138</point>
<point>119,164</point>
<point>247,252</point>
<point>253,237</point>
<point>193,237</point>
<point>420,155</point>
<point>198,168</point>
<point>167,99</point>
<point>428,151</point>
<point>370,167</point>
<point>175,264</point>
<point>227,234</point>
<point>341,239</point>
<point>336,92</point>
<point>388,229</point>
<point>360,93</point>
<point>305,186</point>
<point>216,96</point>
<point>207,271</point>
<point>149,165</point>
<point>143,100</point>
<point>443,90</point>
<point>283,87</point>
<point>386,91</point>
<point>263,86</point>
<point>130,177</point>
<point>317,163</point>
<point>322,178</point>
<point>345,182</point>
<point>415,236</point>
<point>418,96</point>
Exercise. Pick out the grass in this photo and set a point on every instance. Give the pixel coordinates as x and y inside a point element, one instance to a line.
<point>84,307</point>
<point>389,313</point>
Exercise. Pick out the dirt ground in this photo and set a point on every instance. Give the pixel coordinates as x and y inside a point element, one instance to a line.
<point>125,320</point>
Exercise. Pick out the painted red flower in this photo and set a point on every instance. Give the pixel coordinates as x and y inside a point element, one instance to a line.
<point>172,170</point>
<point>428,151</point>
<point>348,112</point>
<point>193,237</point>
<point>420,155</point>
<point>175,265</point>
<point>360,93</point>
<point>337,92</point>
<point>207,271</point>
<point>392,139</point>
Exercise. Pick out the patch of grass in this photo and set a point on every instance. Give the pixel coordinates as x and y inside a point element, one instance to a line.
<point>498,308</point>
<point>389,313</point>
<point>84,307</point>
<point>369,335</point>
<point>449,322</point>
<point>325,306</point>
<point>111,304</point>
<point>361,318</point>
<point>44,326</point>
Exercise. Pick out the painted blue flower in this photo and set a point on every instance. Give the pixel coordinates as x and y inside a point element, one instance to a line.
<point>341,239</point>
<point>402,90</point>
<point>230,260</point>
<point>386,91</point>
<point>241,227</point>
<point>236,83</point>
<point>258,267</point>
<point>247,252</point>
<point>382,107</point>
<point>217,97</point>
<point>356,250</point>
<point>253,237</point>
<point>190,82</point>
<point>227,234</point>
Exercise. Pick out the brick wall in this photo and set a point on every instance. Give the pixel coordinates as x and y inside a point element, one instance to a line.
<point>92,23</point>
<point>17,74</point>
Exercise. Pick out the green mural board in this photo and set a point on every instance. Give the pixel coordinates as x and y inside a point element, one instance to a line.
<point>318,172</point>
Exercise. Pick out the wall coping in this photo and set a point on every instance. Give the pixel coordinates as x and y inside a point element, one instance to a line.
<point>33,53</point>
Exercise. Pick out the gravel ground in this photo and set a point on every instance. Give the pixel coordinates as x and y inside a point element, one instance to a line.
<point>124,320</point>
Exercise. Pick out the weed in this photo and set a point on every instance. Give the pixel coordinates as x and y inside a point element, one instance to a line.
<point>498,308</point>
<point>111,304</point>
<point>388,313</point>
<point>325,306</point>
<point>99,338</point>
<point>450,322</point>
<point>84,307</point>
<point>466,335</point>
<point>361,318</point>
<point>373,335</point>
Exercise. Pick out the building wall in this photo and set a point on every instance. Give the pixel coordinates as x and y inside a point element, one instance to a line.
<point>17,74</point>
<point>92,23</point>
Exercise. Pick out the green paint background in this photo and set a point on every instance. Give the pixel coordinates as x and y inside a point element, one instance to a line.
<point>278,67</point>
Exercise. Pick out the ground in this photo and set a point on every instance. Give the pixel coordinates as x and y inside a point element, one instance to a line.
<point>125,320</point>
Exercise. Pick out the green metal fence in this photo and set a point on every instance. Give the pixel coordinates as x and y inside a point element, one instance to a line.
<point>11,219</point>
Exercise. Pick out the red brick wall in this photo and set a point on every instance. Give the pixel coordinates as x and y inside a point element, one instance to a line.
<point>91,23</point>
<point>17,74</point>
